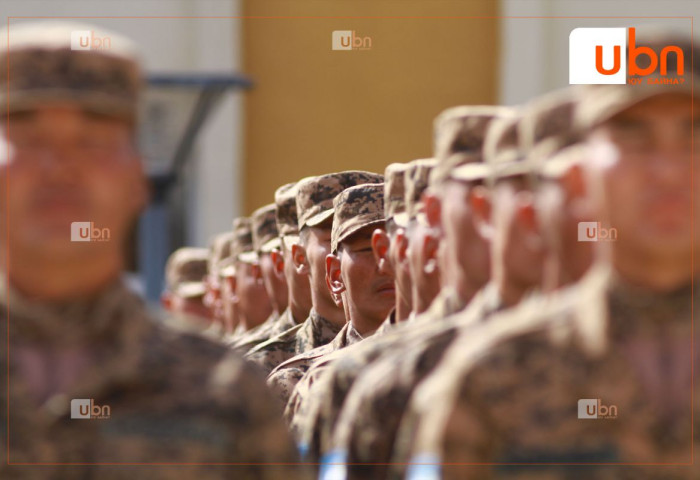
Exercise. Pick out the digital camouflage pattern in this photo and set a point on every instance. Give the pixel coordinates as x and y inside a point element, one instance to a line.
<point>286,211</point>
<point>416,180</point>
<point>265,332</point>
<point>395,179</point>
<point>355,208</point>
<point>315,195</point>
<point>327,383</point>
<point>371,414</point>
<point>510,392</point>
<point>45,69</point>
<point>219,252</point>
<point>313,332</point>
<point>185,271</point>
<point>173,397</point>
<point>285,376</point>
<point>242,248</point>
<point>459,138</point>
<point>264,228</point>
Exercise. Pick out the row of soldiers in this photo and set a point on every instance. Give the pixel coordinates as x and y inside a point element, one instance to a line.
<point>519,305</point>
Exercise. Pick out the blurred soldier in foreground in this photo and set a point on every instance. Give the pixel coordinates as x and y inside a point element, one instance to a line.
<point>356,282</point>
<point>603,373</point>
<point>315,218</point>
<point>92,379</point>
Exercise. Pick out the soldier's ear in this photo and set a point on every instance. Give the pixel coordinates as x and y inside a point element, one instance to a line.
<point>480,204</point>
<point>380,249</point>
<point>299,258</point>
<point>429,253</point>
<point>277,262</point>
<point>574,182</point>
<point>166,301</point>
<point>401,244</point>
<point>334,281</point>
<point>433,209</point>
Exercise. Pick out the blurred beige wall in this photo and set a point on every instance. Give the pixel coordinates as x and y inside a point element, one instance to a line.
<point>315,110</point>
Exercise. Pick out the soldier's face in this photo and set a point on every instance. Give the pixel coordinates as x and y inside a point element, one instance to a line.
<point>190,305</point>
<point>318,246</point>
<point>253,300</point>
<point>369,293</point>
<point>644,158</point>
<point>465,254</point>
<point>67,166</point>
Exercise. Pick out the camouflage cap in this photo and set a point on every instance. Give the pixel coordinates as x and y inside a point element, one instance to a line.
<point>242,248</point>
<point>219,252</point>
<point>55,61</point>
<point>355,208</point>
<point>185,271</point>
<point>554,166</point>
<point>395,193</point>
<point>503,150</point>
<point>459,137</point>
<point>315,195</point>
<point>602,102</point>
<point>264,227</point>
<point>416,183</point>
<point>548,123</point>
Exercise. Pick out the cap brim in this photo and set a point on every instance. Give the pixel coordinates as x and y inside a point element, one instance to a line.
<point>289,240</point>
<point>354,230</point>
<point>270,245</point>
<point>190,289</point>
<point>248,257</point>
<point>319,218</point>
<point>401,219</point>
<point>470,172</point>
<point>227,268</point>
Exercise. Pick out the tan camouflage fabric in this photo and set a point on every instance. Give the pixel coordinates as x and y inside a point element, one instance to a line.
<point>371,414</point>
<point>185,271</point>
<point>285,376</point>
<point>510,392</point>
<point>459,137</point>
<point>315,195</point>
<point>327,383</point>
<point>313,332</point>
<point>395,179</point>
<point>355,208</point>
<point>264,228</point>
<point>281,324</point>
<point>172,397</point>
<point>242,247</point>
<point>416,182</point>
<point>286,211</point>
<point>44,69</point>
<point>219,251</point>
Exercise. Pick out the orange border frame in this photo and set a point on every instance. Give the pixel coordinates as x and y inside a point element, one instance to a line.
<point>692,309</point>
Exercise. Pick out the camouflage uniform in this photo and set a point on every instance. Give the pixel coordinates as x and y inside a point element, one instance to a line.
<point>172,397</point>
<point>355,208</point>
<point>314,204</point>
<point>371,412</point>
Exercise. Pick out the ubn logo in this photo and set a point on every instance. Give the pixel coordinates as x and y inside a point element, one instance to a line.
<point>86,40</point>
<point>86,232</point>
<point>347,40</point>
<point>599,56</point>
<point>86,409</point>
<point>594,231</point>
<point>592,408</point>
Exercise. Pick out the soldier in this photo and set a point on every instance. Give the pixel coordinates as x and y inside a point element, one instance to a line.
<point>244,291</point>
<point>315,218</point>
<point>371,414</point>
<point>185,273</point>
<point>459,136</point>
<point>265,241</point>
<point>93,382</point>
<point>357,283</point>
<point>219,251</point>
<point>390,245</point>
<point>299,294</point>
<point>422,243</point>
<point>603,373</point>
